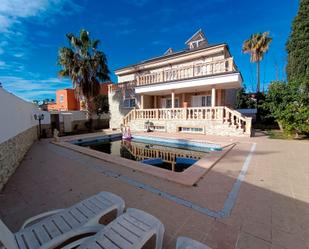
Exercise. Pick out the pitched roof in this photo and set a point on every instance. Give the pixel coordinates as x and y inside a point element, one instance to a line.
<point>169,51</point>
<point>165,56</point>
<point>198,35</point>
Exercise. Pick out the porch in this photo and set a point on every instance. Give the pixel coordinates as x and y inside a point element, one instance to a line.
<point>206,91</point>
<point>211,120</point>
<point>179,99</point>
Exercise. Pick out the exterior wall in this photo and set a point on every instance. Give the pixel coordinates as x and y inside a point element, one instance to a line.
<point>104,88</point>
<point>69,101</point>
<point>209,127</point>
<point>125,78</point>
<point>117,111</point>
<point>17,115</point>
<point>148,102</point>
<point>18,130</point>
<point>185,97</point>
<point>76,121</point>
<point>72,102</point>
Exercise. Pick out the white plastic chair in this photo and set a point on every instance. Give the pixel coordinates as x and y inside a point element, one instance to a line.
<point>54,228</point>
<point>132,230</point>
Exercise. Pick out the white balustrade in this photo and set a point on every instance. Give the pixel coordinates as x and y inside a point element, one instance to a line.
<point>219,113</point>
<point>196,70</point>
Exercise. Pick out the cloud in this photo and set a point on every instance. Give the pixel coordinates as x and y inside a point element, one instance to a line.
<point>31,89</point>
<point>18,55</point>
<point>15,15</point>
<point>14,11</point>
<point>2,64</point>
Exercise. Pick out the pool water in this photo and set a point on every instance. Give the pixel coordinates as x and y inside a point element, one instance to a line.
<point>169,157</point>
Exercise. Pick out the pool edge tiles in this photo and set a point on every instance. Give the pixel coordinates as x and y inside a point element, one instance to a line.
<point>188,177</point>
<point>180,142</point>
<point>102,138</point>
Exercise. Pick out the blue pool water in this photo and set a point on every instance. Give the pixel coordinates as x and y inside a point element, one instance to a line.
<point>171,154</point>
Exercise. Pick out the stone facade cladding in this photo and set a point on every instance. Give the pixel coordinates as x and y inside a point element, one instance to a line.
<point>172,126</point>
<point>12,151</point>
<point>117,111</point>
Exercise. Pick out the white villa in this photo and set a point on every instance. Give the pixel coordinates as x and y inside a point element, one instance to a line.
<point>193,90</point>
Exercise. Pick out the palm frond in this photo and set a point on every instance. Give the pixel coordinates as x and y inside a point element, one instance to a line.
<point>84,64</point>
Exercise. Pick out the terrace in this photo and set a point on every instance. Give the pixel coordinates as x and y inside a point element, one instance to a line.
<point>187,72</point>
<point>249,199</point>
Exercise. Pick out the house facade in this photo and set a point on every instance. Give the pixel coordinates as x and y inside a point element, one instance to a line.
<point>193,90</point>
<point>65,101</point>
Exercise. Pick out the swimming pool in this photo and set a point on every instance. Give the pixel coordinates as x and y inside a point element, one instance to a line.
<point>171,154</point>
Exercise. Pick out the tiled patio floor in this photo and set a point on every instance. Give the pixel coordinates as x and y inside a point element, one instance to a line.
<point>271,211</point>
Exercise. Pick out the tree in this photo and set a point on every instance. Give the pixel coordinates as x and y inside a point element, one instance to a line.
<point>243,100</point>
<point>100,104</point>
<point>85,65</point>
<point>257,45</point>
<point>288,106</point>
<point>298,48</point>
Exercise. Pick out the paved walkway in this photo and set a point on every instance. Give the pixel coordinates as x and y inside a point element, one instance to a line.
<point>270,211</point>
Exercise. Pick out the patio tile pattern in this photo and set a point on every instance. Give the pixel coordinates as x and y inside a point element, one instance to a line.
<point>271,210</point>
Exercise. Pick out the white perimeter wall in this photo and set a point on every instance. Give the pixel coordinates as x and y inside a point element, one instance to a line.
<point>16,115</point>
<point>78,115</point>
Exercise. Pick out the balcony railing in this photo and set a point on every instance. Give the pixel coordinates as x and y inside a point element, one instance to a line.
<point>218,113</point>
<point>142,152</point>
<point>186,72</point>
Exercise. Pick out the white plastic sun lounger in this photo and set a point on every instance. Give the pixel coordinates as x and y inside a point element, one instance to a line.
<point>187,243</point>
<point>132,230</point>
<point>54,228</point>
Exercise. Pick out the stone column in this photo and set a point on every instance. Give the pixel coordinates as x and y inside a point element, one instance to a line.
<point>173,99</point>
<point>219,101</point>
<point>213,97</point>
<point>142,102</point>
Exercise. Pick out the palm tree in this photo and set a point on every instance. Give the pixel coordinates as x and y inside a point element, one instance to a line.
<point>257,45</point>
<point>85,65</point>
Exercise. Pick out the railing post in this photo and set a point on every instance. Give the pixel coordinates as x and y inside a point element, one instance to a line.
<point>230,61</point>
<point>185,113</point>
<point>248,126</point>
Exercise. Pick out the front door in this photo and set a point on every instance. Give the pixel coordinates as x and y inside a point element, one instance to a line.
<point>201,101</point>
<point>167,103</point>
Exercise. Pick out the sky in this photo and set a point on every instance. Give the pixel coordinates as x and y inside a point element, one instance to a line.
<point>32,31</point>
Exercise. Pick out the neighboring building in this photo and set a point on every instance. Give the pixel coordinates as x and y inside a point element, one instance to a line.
<point>67,101</point>
<point>104,88</point>
<point>193,90</point>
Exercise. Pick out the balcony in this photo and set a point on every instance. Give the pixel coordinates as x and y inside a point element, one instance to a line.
<point>187,72</point>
